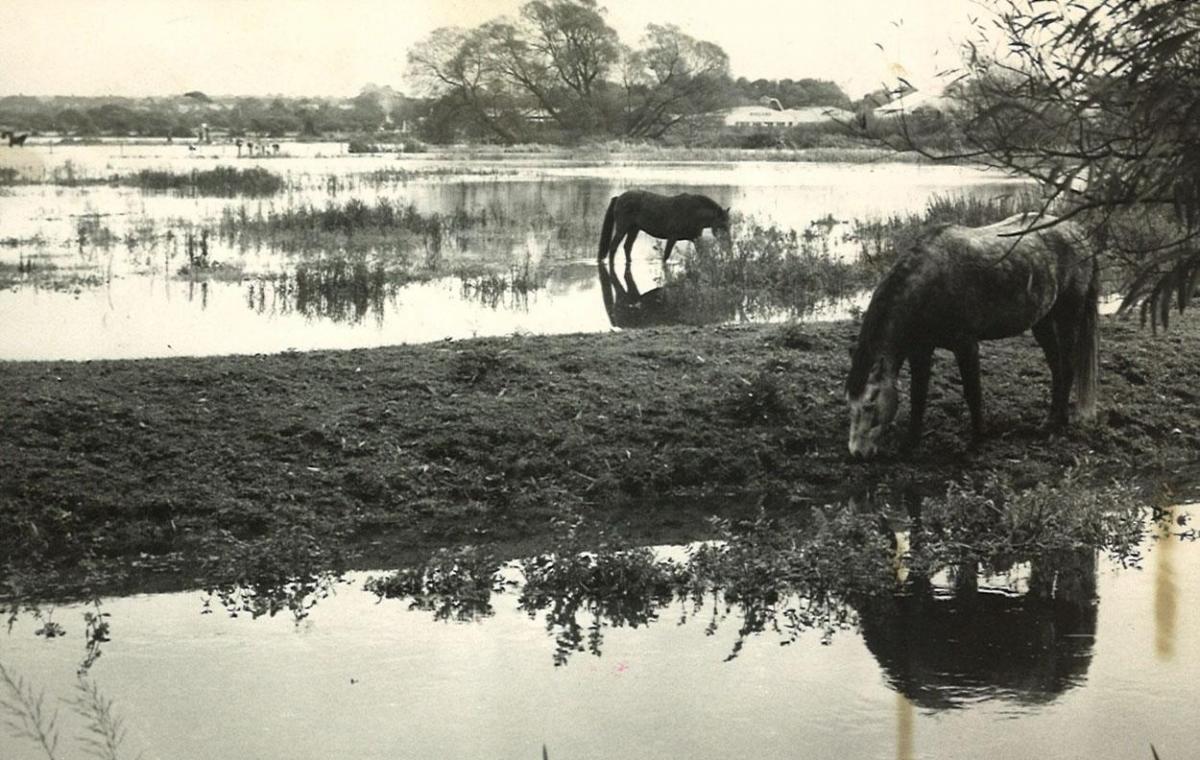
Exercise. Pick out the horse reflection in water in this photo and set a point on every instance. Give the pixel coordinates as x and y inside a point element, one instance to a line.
<point>669,217</point>
<point>943,652</point>
<point>628,306</point>
<point>962,285</point>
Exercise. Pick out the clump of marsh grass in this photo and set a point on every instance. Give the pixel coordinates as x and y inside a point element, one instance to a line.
<point>881,241</point>
<point>220,181</point>
<point>351,223</point>
<point>992,522</point>
<point>772,269</point>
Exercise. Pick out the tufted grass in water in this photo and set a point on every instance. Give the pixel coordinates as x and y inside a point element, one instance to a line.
<point>881,241</point>
<point>770,268</point>
<point>221,181</point>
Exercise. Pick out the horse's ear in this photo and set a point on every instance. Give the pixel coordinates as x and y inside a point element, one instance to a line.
<point>727,210</point>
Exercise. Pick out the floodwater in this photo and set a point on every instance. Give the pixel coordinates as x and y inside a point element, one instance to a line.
<point>100,269</point>
<point>1101,669</point>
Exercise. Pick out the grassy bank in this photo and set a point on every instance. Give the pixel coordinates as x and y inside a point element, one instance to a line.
<point>376,452</point>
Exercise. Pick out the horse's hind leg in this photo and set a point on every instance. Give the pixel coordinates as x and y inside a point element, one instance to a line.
<point>632,236</point>
<point>667,250</point>
<point>920,360</point>
<point>1047,332</point>
<point>968,367</point>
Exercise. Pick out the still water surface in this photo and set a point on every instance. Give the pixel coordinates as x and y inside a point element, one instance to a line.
<point>1102,673</point>
<point>115,254</point>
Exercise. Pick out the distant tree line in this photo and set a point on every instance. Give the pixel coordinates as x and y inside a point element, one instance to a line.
<point>373,110</point>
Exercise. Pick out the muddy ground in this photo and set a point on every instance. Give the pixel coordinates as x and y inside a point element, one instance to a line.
<point>369,455</point>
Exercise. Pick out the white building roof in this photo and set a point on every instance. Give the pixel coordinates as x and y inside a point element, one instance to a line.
<point>764,116</point>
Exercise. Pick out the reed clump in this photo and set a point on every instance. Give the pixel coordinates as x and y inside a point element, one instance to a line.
<point>220,181</point>
<point>881,241</point>
<point>771,269</point>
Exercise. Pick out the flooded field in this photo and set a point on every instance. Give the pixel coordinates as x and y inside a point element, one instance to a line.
<point>1046,617</point>
<point>1078,653</point>
<point>94,265</point>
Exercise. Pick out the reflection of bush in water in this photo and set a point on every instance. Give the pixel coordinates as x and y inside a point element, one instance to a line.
<point>490,288</point>
<point>616,589</point>
<point>453,584</point>
<point>339,290</point>
<point>288,571</point>
<point>829,569</point>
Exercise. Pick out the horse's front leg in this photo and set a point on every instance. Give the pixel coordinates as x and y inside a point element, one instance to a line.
<point>968,368</point>
<point>921,362</point>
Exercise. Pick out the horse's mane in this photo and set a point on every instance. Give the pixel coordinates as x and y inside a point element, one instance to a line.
<point>880,315</point>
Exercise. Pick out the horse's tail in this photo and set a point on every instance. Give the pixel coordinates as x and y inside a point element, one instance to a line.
<point>1087,355</point>
<point>606,230</point>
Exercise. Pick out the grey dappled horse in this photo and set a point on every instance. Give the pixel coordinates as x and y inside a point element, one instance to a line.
<point>961,285</point>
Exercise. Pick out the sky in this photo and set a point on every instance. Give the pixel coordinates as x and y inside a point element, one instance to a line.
<point>323,47</point>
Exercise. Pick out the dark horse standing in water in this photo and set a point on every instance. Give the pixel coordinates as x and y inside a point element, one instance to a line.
<point>671,218</point>
<point>962,285</point>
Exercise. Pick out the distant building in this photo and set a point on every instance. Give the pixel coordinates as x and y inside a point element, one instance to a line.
<point>766,116</point>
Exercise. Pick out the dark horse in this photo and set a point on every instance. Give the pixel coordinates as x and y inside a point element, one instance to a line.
<point>671,218</point>
<point>962,285</point>
<point>15,140</point>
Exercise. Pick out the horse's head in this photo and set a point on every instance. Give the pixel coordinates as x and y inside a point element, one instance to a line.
<point>873,398</point>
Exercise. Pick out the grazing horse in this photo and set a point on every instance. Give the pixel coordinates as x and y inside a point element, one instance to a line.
<point>15,140</point>
<point>962,285</point>
<point>671,218</point>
